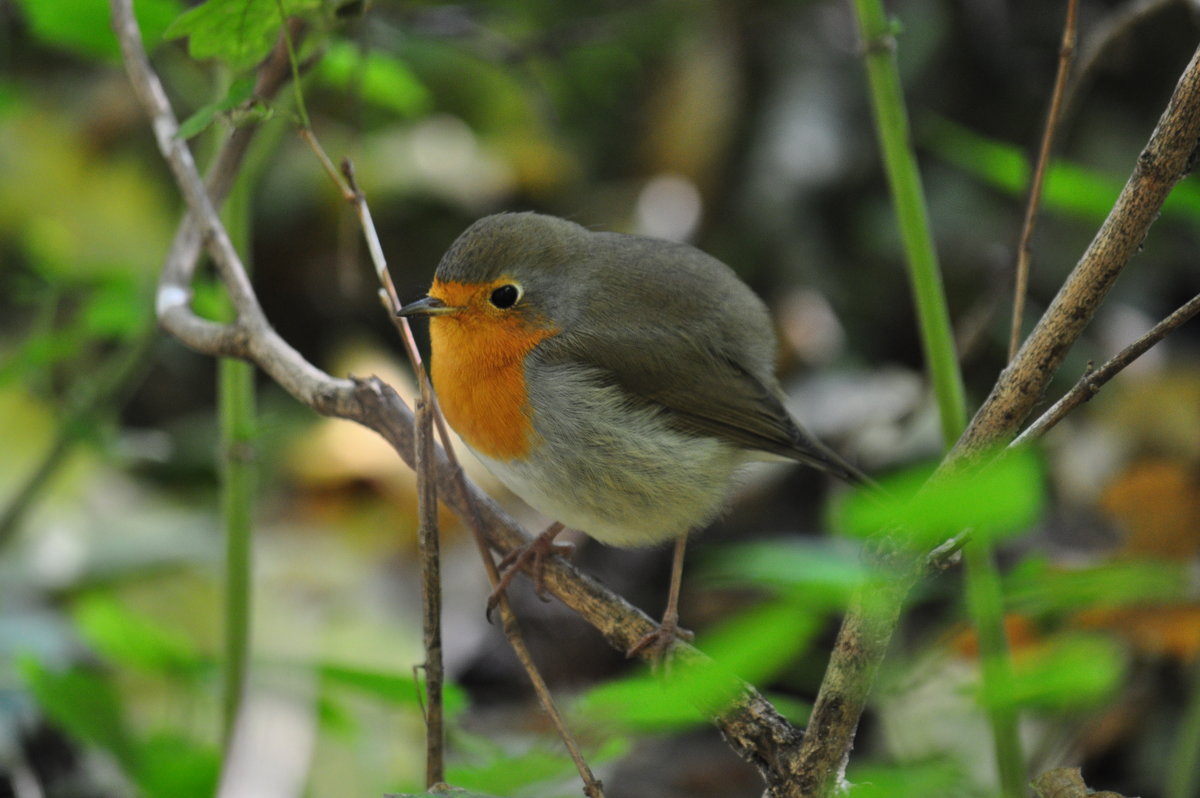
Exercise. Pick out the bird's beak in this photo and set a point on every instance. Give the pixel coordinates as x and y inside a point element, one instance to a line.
<point>427,306</point>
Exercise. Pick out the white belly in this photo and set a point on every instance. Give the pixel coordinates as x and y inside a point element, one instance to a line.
<point>622,476</point>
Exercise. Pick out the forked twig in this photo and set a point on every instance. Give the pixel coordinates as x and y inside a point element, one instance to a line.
<point>1066,55</point>
<point>1163,162</point>
<point>1089,384</point>
<point>512,630</point>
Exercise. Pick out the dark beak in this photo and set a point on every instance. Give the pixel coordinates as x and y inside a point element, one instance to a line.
<point>428,306</point>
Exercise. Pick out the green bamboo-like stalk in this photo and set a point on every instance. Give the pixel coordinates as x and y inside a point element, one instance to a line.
<point>985,604</point>
<point>239,478</point>
<point>984,597</point>
<point>891,122</point>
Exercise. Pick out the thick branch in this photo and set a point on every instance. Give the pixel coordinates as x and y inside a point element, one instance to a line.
<point>1165,160</point>
<point>869,625</point>
<point>1090,383</point>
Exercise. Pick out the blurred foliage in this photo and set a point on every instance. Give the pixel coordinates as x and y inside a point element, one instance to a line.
<point>920,510</point>
<point>742,127</point>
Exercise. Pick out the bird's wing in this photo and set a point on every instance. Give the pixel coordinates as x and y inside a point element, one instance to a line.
<point>706,392</point>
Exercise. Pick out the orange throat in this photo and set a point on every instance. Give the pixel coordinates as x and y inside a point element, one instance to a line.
<point>478,369</point>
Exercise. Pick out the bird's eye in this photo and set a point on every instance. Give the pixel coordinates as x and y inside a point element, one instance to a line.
<point>505,296</point>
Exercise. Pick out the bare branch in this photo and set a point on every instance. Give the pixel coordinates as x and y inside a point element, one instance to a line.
<point>428,402</point>
<point>1065,54</point>
<point>1165,160</point>
<point>431,594</point>
<point>869,624</point>
<point>858,651</point>
<point>1090,383</point>
<point>166,132</point>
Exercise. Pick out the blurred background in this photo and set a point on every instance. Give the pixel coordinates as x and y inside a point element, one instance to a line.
<point>741,127</point>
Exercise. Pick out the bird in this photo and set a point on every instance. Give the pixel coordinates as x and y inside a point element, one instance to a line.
<point>616,383</point>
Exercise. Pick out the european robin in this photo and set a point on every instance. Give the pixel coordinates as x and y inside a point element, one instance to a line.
<point>613,382</point>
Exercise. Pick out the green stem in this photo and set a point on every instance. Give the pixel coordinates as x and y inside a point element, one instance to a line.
<point>239,473</point>
<point>985,603</point>
<point>99,397</point>
<point>1183,776</point>
<point>985,600</point>
<point>891,122</point>
<point>294,61</point>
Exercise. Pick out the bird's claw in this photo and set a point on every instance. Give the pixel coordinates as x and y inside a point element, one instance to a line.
<point>656,645</point>
<point>533,554</point>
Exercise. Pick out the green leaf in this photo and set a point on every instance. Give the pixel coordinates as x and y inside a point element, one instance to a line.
<point>82,703</point>
<point>82,27</point>
<point>380,78</point>
<point>1070,672</point>
<point>757,644</point>
<point>930,779</point>
<point>1000,497</point>
<point>238,32</point>
<point>117,307</point>
<point>753,646</point>
<point>823,574</point>
<point>133,641</point>
<point>506,772</point>
<point>1036,587</point>
<point>174,766</point>
<point>10,98</point>
<point>644,703</point>
<point>1068,187</point>
<point>40,351</point>
<point>396,688</point>
<point>239,91</point>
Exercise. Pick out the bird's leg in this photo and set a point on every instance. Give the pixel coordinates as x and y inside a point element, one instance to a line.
<point>660,640</point>
<point>534,553</point>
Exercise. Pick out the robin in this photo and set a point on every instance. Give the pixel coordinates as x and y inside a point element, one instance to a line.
<point>613,382</point>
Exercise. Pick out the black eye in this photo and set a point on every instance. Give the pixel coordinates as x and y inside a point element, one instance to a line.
<point>506,296</point>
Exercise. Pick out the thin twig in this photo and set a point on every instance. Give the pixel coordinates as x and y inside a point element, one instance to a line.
<point>592,786</point>
<point>1102,34</point>
<point>1164,161</point>
<point>431,593</point>
<point>1066,54</point>
<point>1090,383</point>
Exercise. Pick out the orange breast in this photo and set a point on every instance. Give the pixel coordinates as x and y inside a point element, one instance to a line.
<point>478,372</point>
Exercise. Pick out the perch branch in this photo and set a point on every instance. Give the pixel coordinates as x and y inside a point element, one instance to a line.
<point>1164,161</point>
<point>1090,383</point>
<point>751,723</point>
<point>508,619</point>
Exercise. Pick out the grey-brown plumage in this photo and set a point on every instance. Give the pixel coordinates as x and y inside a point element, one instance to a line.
<point>674,328</point>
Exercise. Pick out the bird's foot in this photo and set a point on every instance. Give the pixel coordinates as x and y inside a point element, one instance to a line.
<point>533,554</point>
<point>657,644</point>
